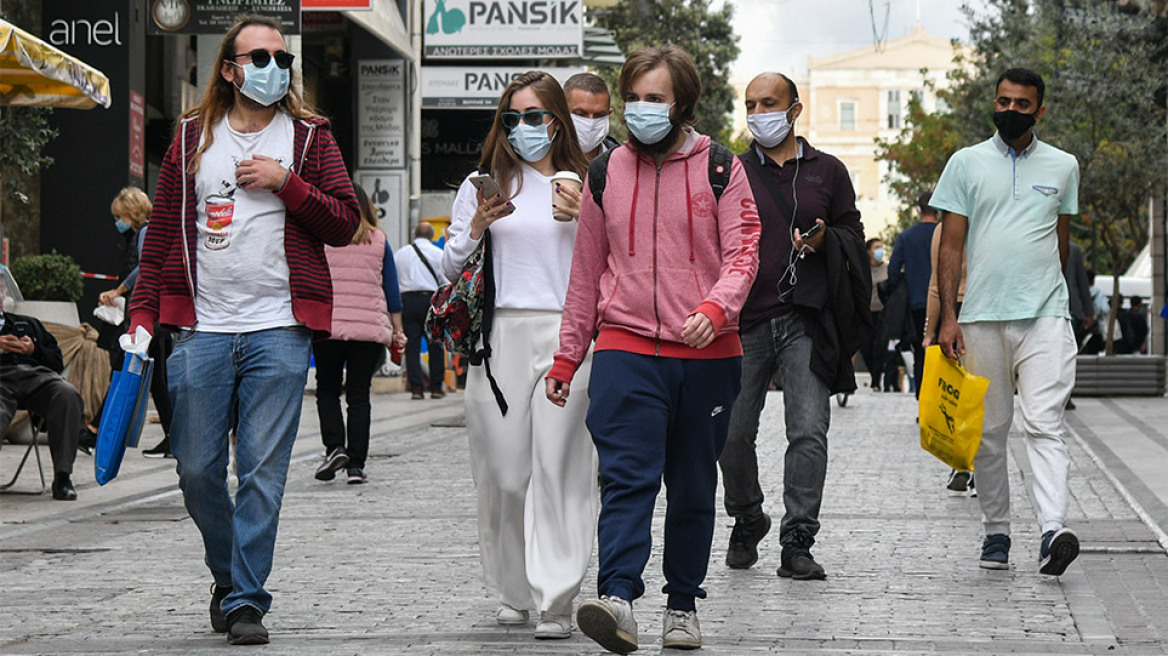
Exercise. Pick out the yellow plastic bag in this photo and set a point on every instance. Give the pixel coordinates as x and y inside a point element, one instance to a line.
<point>952,409</point>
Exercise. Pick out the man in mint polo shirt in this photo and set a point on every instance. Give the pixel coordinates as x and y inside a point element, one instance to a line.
<point>1008,202</point>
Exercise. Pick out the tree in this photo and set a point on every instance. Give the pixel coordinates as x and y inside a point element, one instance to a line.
<point>708,36</point>
<point>916,158</point>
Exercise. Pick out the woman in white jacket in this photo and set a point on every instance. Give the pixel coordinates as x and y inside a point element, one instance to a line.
<point>535,466</point>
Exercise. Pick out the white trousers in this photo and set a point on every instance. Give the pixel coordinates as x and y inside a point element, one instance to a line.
<point>1038,356</point>
<point>534,469</point>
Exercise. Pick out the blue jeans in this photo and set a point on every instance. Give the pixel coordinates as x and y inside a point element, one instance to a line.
<point>657,418</point>
<point>783,344</point>
<point>265,371</point>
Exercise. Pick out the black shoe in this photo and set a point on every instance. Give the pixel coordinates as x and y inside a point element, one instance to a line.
<point>88,441</point>
<point>744,539</point>
<point>334,462</point>
<point>796,561</point>
<point>959,481</point>
<point>1057,550</point>
<point>63,488</point>
<point>160,451</point>
<point>245,626</point>
<point>218,619</point>
<point>357,476</point>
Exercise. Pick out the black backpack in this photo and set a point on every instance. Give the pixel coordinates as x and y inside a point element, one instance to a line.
<point>719,169</point>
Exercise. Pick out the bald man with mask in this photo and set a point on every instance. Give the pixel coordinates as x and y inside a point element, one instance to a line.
<point>798,189</point>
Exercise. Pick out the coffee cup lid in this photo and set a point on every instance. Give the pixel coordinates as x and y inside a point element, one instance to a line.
<point>570,175</point>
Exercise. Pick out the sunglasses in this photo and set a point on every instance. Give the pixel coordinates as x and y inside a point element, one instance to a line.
<point>533,117</point>
<point>261,58</point>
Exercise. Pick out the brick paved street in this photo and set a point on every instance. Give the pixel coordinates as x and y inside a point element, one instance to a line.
<point>392,567</point>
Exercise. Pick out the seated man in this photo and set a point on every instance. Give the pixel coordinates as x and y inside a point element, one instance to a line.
<point>30,378</point>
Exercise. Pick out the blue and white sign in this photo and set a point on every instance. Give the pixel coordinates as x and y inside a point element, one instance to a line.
<point>503,29</point>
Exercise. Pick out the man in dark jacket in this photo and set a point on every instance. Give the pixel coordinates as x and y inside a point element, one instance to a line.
<point>800,318</point>
<point>912,262</point>
<point>30,378</point>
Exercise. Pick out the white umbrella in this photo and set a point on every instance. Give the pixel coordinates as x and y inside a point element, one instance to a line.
<point>34,73</point>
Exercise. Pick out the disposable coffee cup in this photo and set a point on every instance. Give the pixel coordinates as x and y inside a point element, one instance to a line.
<point>564,179</point>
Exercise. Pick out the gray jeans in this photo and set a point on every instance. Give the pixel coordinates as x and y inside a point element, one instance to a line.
<point>779,344</point>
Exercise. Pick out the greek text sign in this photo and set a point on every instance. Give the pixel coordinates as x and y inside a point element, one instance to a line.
<point>381,120</point>
<point>454,87</point>
<point>215,16</point>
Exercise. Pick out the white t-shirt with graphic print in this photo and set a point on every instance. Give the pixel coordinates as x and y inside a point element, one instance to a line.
<point>242,268</point>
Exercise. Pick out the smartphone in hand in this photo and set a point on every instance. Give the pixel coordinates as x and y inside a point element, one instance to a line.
<point>485,184</point>
<point>811,232</point>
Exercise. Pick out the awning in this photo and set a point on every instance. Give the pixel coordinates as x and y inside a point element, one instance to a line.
<point>384,21</point>
<point>34,73</point>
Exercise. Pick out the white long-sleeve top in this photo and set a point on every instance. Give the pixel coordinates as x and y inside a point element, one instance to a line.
<point>532,252</point>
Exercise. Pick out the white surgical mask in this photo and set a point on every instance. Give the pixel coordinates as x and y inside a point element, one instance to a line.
<point>771,128</point>
<point>878,254</point>
<point>590,131</point>
<point>266,86</point>
<point>648,121</point>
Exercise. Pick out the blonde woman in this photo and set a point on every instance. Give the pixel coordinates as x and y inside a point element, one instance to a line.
<point>534,467</point>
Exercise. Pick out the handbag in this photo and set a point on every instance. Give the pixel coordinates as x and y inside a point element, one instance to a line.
<point>951,410</point>
<point>123,415</point>
<point>461,313</point>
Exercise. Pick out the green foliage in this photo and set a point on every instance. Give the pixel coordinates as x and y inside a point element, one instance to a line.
<point>23,131</point>
<point>916,158</point>
<point>708,36</point>
<point>52,277</point>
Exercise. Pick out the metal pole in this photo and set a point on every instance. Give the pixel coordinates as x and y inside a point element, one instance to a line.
<point>416,19</point>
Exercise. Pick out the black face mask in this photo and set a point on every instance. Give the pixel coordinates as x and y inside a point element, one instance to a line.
<point>1012,124</point>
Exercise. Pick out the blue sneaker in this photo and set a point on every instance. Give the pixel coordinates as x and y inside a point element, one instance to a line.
<point>995,552</point>
<point>1059,549</point>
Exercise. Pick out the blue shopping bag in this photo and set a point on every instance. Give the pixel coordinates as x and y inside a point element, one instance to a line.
<point>123,415</point>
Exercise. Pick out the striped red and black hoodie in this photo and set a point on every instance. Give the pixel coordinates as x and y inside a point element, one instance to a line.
<point>321,209</point>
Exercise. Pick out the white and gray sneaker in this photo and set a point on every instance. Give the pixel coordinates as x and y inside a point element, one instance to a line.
<point>680,630</point>
<point>609,621</point>
<point>553,627</point>
<point>508,616</point>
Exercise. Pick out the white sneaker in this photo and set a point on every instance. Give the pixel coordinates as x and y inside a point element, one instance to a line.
<point>553,627</point>
<point>609,621</point>
<point>508,616</point>
<point>680,630</point>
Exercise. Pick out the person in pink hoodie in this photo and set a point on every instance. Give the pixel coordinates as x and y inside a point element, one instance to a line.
<point>659,274</point>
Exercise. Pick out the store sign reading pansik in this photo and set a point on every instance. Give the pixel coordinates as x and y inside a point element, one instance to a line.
<point>501,29</point>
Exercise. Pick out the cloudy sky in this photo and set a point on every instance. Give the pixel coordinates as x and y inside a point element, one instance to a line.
<point>779,35</point>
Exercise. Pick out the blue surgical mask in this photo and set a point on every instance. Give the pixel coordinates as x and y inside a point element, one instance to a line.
<point>648,121</point>
<point>878,254</point>
<point>122,226</point>
<point>531,142</point>
<point>266,86</point>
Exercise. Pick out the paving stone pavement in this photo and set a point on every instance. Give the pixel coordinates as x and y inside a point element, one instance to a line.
<point>392,567</point>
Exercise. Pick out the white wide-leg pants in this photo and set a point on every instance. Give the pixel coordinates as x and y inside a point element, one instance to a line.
<point>534,469</point>
<point>1039,355</point>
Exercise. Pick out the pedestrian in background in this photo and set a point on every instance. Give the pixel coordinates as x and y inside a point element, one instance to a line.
<point>591,106</point>
<point>534,466</point>
<point>873,345</point>
<point>251,189</point>
<point>660,271</point>
<point>910,259</point>
<point>419,274</point>
<point>367,317</point>
<point>1009,202</point>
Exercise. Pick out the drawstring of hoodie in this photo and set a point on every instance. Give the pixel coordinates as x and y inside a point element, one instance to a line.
<point>633,216</point>
<point>689,211</point>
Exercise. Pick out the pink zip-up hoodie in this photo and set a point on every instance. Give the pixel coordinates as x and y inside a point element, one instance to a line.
<point>660,250</point>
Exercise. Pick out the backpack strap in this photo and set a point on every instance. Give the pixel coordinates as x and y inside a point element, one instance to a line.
<point>483,355</point>
<point>719,165</point>
<point>598,177</point>
<point>720,161</point>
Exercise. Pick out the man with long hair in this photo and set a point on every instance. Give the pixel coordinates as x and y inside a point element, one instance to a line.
<point>250,190</point>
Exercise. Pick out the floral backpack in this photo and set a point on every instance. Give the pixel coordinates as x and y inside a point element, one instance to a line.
<point>463,311</point>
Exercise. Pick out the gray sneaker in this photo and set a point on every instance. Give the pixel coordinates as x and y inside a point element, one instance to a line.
<point>680,630</point>
<point>609,621</point>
